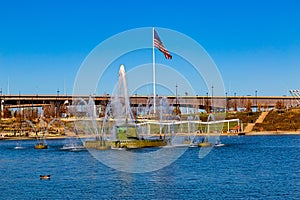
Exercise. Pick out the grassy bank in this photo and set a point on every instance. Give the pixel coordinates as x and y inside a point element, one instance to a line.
<point>276,122</point>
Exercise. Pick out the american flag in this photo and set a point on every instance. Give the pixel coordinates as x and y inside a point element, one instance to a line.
<point>158,44</point>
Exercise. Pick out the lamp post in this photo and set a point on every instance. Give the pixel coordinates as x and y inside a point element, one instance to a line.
<point>226,100</point>
<point>20,112</point>
<point>235,108</point>
<point>177,108</point>
<point>212,98</point>
<point>57,105</point>
<point>207,106</point>
<point>176,94</point>
<point>256,100</point>
<point>136,103</point>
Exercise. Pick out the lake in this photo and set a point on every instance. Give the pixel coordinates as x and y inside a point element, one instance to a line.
<point>247,167</point>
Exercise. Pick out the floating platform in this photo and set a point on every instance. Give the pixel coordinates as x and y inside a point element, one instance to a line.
<point>205,144</point>
<point>97,144</point>
<point>41,146</point>
<point>126,144</point>
<point>136,144</point>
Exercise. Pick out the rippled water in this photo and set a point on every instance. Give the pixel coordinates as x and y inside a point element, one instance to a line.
<point>256,167</point>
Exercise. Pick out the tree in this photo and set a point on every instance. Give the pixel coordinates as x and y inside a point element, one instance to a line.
<point>207,106</point>
<point>50,110</point>
<point>265,106</point>
<point>279,105</point>
<point>248,106</point>
<point>7,113</point>
<point>177,110</point>
<point>30,113</point>
<point>235,106</point>
<point>259,106</point>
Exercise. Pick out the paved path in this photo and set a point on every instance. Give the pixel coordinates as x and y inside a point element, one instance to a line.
<point>249,127</point>
<point>260,119</point>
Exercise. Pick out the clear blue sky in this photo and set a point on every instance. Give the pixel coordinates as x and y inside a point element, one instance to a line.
<point>255,44</point>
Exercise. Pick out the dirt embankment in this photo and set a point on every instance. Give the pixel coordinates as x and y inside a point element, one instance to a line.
<point>275,122</point>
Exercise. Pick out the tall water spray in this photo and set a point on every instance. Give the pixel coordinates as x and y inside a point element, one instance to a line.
<point>120,103</point>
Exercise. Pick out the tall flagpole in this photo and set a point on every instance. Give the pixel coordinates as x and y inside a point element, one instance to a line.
<point>8,89</point>
<point>153,71</point>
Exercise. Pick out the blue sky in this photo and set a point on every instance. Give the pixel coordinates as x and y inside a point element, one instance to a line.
<point>255,44</point>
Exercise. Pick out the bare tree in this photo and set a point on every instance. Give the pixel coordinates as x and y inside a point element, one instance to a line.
<point>177,110</point>
<point>258,106</point>
<point>248,106</point>
<point>7,113</point>
<point>265,106</point>
<point>279,105</point>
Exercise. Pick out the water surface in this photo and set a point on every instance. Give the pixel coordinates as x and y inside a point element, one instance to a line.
<point>256,167</point>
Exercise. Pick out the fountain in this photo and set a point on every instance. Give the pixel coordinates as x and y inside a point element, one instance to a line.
<point>166,128</point>
<point>120,125</point>
<point>19,142</point>
<point>121,130</point>
<point>209,141</point>
<point>41,140</point>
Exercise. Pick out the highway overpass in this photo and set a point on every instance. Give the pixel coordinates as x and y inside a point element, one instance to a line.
<point>14,101</point>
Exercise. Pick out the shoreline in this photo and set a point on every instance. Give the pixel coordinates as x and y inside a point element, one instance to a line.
<point>270,133</point>
<point>266,133</point>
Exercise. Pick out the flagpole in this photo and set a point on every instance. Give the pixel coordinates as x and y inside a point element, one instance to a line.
<point>153,71</point>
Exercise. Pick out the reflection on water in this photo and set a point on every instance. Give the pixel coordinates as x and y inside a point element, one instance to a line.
<point>247,167</point>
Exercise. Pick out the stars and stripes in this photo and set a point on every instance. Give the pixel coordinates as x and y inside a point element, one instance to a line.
<point>159,45</point>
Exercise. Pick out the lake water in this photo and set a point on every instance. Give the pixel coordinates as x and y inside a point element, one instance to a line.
<point>256,167</point>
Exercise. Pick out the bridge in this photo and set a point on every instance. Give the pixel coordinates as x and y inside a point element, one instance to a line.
<point>201,102</point>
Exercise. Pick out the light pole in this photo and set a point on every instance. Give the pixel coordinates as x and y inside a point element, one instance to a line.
<point>56,112</point>
<point>176,94</point>
<point>226,100</point>
<point>207,107</point>
<point>136,103</point>
<point>256,100</point>
<point>177,108</point>
<point>20,112</point>
<point>212,98</point>
<point>235,108</point>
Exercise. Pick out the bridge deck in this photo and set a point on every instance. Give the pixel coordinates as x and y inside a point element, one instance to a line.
<point>191,101</point>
